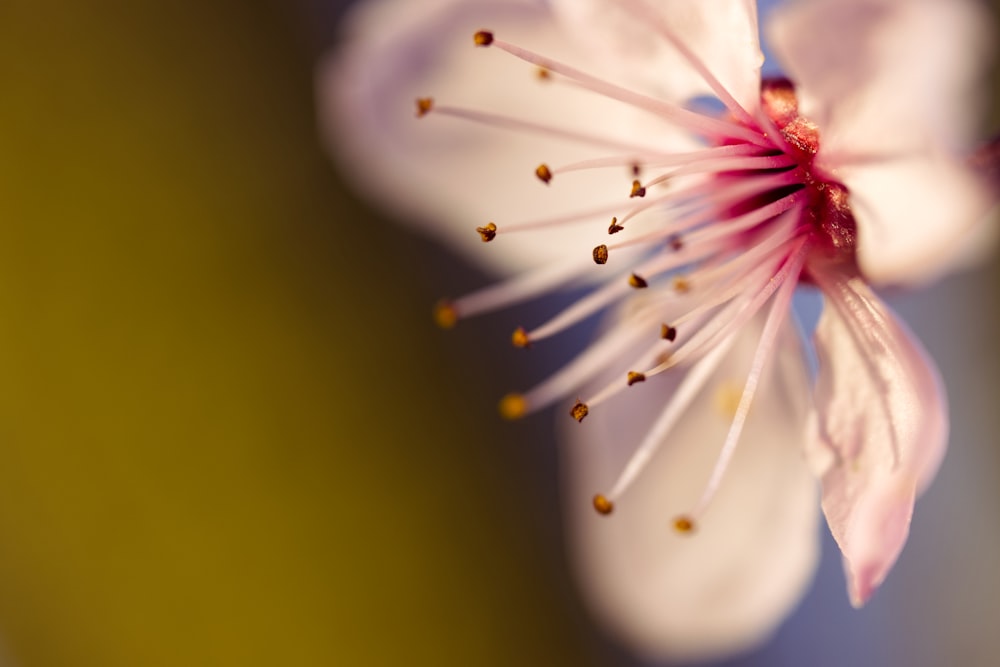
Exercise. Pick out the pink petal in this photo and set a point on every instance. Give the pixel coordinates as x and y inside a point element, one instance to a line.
<point>726,587</point>
<point>881,430</point>
<point>896,89</point>
<point>722,33</point>
<point>881,76</point>
<point>448,175</point>
<point>914,215</point>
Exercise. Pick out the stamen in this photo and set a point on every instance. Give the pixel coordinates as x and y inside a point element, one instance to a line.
<point>689,387</point>
<point>668,332</point>
<point>614,228</point>
<point>704,125</point>
<point>637,282</point>
<point>502,122</point>
<point>483,38</point>
<point>601,254</point>
<point>775,318</point>
<point>520,338</point>
<point>517,289</point>
<point>603,505</point>
<point>543,173</point>
<point>634,376</point>
<point>487,233</point>
<point>684,525</point>
<point>513,406</point>
<point>579,411</point>
<point>637,190</point>
<point>654,18</point>
<point>445,314</point>
<point>424,106</point>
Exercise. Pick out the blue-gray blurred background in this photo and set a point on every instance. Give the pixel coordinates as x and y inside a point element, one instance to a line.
<point>229,434</point>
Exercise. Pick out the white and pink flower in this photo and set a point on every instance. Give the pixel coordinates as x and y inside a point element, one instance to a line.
<point>695,197</point>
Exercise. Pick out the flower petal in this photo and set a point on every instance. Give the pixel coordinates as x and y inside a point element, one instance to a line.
<point>447,174</point>
<point>727,586</point>
<point>914,215</point>
<point>892,102</point>
<point>881,430</point>
<point>884,76</point>
<point>723,34</point>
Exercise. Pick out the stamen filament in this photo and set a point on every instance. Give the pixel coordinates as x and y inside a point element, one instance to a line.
<point>697,123</point>
<point>654,19</point>
<point>779,310</point>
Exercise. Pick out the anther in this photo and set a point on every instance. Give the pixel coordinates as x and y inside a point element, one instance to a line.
<point>668,332</point>
<point>676,243</point>
<point>424,106</point>
<point>637,190</point>
<point>615,227</point>
<point>483,38</point>
<point>684,525</point>
<point>634,376</point>
<point>520,338</point>
<point>513,406</point>
<point>543,73</point>
<point>635,169</point>
<point>637,282</point>
<point>487,233</point>
<point>603,505</point>
<point>445,314</point>
<point>601,254</point>
<point>579,411</point>
<point>543,173</point>
<point>682,285</point>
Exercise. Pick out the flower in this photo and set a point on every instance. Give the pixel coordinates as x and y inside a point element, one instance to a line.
<point>696,197</point>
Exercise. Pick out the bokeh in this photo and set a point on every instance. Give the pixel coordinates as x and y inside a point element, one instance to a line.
<point>230,434</point>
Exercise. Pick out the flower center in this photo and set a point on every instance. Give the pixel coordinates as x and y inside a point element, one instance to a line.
<point>828,206</point>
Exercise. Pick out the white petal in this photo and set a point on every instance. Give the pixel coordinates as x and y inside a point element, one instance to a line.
<point>885,76</point>
<point>726,587</point>
<point>882,428</point>
<point>914,215</point>
<point>449,175</point>
<point>722,33</point>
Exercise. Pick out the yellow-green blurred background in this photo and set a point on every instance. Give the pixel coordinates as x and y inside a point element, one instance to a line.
<point>229,434</point>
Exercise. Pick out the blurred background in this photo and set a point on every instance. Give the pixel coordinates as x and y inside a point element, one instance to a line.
<point>230,435</point>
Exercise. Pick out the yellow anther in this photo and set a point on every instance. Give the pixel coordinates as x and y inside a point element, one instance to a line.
<point>579,411</point>
<point>603,505</point>
<point>684,525</point>
<point>424,106</point>
<point>483,38</point>
<point>543,73</point>
<point>520,338</point>
<point>668,332</point>
<point>487,233</point>
<point>635,376</point>
<point>637,282</point>
<point>601,254</point>
<point>615,227</point>
<point>543,173</point>
<point>682,285</point>
<point>445,314</point>
<point>637,190</point>
<point>727,399</point>
<point>513,406</point>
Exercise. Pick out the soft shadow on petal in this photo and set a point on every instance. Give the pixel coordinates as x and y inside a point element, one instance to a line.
<point>722,33</point>
<point>449,175</point>
<point>726,587</point>
<point>881,431</point>
<point>884,76</point>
